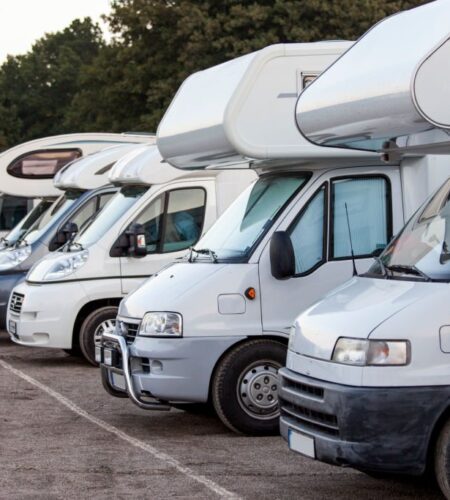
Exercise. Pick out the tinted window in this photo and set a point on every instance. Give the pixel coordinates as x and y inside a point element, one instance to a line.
<point>42,164</point>
<point>12,211</point>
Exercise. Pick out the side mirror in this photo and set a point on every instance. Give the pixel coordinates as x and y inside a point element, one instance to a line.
<point>282,257</point>
<point>130,243</point>
<point>136,237</point>
<point>65,234</point>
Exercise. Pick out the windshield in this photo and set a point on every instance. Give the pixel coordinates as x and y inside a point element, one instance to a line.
<point>29,221</point>
<point>245,222</point>
<point>106,218</point>
<point>422,249</point>
<point>57,209</point>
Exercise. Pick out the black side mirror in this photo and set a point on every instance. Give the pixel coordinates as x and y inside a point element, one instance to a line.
<point>65,234</point>
<point>282,257</point>
<point>130,243</point>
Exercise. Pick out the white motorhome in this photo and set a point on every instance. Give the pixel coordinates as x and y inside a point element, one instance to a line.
<point>83,197</point>
<point>27,171</point>
<point>159,212</point>
<point>216,326</point>
<point>367,382</point>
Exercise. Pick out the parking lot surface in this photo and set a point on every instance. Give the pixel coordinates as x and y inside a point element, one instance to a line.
<point>62,436</point>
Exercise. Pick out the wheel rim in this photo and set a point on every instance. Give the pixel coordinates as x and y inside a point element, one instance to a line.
<point>257,390</point>
<point>107,326</point>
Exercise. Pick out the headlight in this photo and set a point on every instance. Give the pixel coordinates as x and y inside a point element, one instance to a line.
<point>65,266</point>
<point>156,324</point>
<point>12,258</point>
<point>371,352</point>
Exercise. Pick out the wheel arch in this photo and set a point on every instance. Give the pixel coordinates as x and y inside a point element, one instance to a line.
<point>437,428</point>
<point>281,339</point>
<point>87,309</point>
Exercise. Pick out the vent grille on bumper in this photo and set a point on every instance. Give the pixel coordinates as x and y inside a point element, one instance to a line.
<point>305,418</point>
<point>16,302</point>
<point>129,331</point>
<point>299,387</point>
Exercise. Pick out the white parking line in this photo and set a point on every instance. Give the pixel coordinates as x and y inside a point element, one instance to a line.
<point>173,462</point>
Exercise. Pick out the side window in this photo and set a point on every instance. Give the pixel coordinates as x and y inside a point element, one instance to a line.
<point>13,210</point>
<point>86,212</point>
<point>184,219</point>
<point>174,221</point>
<point>104,198</point>
<point>308,234</point>
<point>368,205</point>
<point>42,164</point>
<point>151,219</point>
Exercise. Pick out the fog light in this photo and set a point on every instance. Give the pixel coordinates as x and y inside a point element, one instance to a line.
<point>98,354</point>
<point>108,357</point>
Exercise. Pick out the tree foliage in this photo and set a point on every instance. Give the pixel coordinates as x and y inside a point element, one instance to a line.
<point>72,81</point>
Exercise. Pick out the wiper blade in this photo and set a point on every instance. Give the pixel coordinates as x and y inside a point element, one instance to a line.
<point>202,251</point>
<point>409,270</point>
<point>384,268</point>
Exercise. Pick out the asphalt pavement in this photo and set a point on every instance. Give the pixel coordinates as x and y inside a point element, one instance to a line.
<point>62,437</point>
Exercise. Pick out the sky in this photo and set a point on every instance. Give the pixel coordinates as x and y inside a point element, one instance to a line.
<point>22,22</point>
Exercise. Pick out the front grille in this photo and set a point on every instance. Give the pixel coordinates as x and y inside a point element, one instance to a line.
<point>16,302</point>
<point>303,417</point>
<point>299,387</point>
<point>129,331</point>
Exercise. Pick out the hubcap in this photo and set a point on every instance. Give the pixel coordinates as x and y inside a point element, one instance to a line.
<point>258,390</point>
<point>107,326</point>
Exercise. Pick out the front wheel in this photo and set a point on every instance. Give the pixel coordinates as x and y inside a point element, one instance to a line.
<point>442,460</point>
<point>245,387</point>
<point>94,326</point>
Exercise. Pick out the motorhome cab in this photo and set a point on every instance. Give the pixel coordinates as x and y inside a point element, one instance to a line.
<point>216,326</point>
<point>368,368</point>
<point>159,212</point>
<point>83,196</point>
<point>27,171</point>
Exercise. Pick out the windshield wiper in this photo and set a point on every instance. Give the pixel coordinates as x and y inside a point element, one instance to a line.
<point>408,270</point>
<point>202,251</point>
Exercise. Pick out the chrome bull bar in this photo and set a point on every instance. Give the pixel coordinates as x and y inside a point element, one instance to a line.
<point>126,368</point>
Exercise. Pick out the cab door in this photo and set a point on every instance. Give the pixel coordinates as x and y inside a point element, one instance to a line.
<point>173,221</point>
<point>321,232</point>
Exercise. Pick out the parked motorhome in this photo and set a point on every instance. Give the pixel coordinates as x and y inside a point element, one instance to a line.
<point>367,377</point>
<point>84,195</point>
<point>158,213</point>
<point>215,326</point>
<point>27,171</point>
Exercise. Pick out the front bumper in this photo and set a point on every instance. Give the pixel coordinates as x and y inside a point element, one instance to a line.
<point>47,315</point>
<point>161,370</point>
<point>7,283</point>
<point>374,429</point>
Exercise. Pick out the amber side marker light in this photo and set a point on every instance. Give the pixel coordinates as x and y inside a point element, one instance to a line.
<point>250,293</point>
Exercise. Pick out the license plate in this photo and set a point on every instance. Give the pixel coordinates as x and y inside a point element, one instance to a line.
<point>12,327</point>
<point>118,381</point>
<point>301,444</point>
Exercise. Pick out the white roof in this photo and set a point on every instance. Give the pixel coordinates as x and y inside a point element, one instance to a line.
<point>393,84</point>
<point>244,109</point>
<point>143,166</point>
<point>92,171</point>
<point>84,143</point>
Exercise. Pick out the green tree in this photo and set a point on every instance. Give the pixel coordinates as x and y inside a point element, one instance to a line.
<point>160,42</point>
<point>36,89</point>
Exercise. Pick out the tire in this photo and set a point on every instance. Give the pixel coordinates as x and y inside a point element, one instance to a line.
<point>93,326</point>
<point>254,365</point>
<point>442,460</point>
